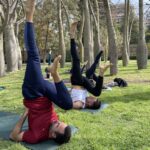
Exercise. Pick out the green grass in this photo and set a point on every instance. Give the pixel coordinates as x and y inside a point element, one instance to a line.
<point>124,125</point>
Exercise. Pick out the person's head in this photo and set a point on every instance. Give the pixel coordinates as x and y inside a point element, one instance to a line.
<point>92,103</point>
<point>60,132</point>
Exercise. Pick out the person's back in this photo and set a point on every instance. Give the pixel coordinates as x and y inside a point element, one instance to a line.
<point>41,115</point>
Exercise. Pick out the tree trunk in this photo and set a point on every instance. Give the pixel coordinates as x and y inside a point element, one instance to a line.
<point>141,53</point>
<point>125,56</point>
<point>80,44</point>
<point>97,43</point>
<point>87,35</point>
<point>19,54</point>
<point>46,41</point>
<point>111,39</point>
<point>11,48</point>
<point>61,35</point>
<point>2,61</point>
<point>106,50</point>
<point>18,48</point>
<point>128,34</point>
<point>92,35</point>
<point>130,31</point>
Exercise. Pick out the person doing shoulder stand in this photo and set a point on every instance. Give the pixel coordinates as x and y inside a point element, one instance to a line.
<point>81,85</point>
<point>43,122</point>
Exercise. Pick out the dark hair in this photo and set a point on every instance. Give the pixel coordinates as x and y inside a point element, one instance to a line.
<point>63,138</point>
<point>96,104</point>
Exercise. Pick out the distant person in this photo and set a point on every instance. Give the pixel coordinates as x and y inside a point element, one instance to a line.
<point>49,59</point>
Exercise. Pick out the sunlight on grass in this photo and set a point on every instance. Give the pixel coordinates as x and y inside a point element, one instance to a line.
<point>124,125</point>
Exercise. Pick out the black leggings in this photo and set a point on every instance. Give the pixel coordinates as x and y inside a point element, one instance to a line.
<point>78,79</point>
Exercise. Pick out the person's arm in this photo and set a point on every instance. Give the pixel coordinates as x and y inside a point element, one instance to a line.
<point>77,105</point>
<point>59,94</point>
<point>96,90</point>
<point>17,134</point>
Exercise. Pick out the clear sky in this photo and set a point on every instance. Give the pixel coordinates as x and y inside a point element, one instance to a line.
<point>135,3</point>
<point>132,1</point>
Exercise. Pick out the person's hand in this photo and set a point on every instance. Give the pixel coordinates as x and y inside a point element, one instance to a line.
<point>103,68</point>
<point>26,111</point>
<point>54,67</point>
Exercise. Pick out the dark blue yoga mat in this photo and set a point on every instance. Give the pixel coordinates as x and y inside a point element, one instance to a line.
<point>8,121</point>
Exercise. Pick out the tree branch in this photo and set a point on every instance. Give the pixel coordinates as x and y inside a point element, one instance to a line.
<point>20,21</point>
<point>2,15</point>
<point>3,3</point>
<point>67,14</point>
<point>91,9</point>
<point>22,7</point>
<point>7,12</point>
<point>13,9</point>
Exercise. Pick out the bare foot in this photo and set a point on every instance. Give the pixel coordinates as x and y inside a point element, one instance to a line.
<point>55,65</point>
<point>29,5</point>
<point>73,29</point>
<point>103,68</point>
<point>29,9</point>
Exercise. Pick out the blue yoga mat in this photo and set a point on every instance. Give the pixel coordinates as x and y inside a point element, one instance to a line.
<point>8,121</point>
<point>103,106</point>
<point>2,88</point>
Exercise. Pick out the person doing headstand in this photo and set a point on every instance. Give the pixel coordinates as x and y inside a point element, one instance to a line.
<point>43,122</point>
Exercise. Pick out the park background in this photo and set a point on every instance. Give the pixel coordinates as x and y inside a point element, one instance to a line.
<point>121,28</point>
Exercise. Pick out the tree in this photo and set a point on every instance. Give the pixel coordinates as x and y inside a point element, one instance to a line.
<point>111,39</point>
<point>141,53</point>
<point>80,33</point>
<point>61,34</point>
<point>125,54</point>
<point>2,61</point>
<point>87,35</point>
<point>97,44</point>
<point>11,46</point>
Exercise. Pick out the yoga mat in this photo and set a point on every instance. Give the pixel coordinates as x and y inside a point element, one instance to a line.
<point>107,89</point>
<point>2,88</point>
<point>8,121</point>
<point>103,106</point>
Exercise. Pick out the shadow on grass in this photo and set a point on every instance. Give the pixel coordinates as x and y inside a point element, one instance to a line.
<point>126,98</point>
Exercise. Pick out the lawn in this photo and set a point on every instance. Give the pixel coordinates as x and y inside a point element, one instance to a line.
<point>123,125</point>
